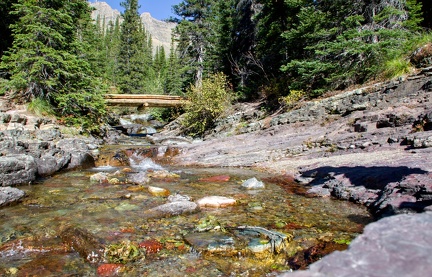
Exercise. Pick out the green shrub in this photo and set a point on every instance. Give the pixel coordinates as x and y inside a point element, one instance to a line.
<point>206,103</point>
<point>291,99</point>
<point>397,67</point>
<point>40,107</point>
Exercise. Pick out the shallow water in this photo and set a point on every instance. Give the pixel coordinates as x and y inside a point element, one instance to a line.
<point>29,233</point>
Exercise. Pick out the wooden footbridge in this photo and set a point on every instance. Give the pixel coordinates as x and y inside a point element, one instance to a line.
<point>144,100</point>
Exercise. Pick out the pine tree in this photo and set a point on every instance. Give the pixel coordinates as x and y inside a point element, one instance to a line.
<point>173,84</point>
<point>131,67</point>
<point>347,42</point>
<point>194,34</point>
<point>48,60</point>
<point>112,49</point>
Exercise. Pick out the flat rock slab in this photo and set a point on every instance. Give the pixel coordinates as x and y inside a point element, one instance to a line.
<point>397,246</point>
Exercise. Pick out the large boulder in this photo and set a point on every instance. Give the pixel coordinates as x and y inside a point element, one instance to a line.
<point>17,169</point>
<point>81,159</point>
<point>396,246</point>
<point>79,151</point>
<point>52,161</point>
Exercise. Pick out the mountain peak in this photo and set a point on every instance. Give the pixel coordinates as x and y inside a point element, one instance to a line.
<point>159,30</point>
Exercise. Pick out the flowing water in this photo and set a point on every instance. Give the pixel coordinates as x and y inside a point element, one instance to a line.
<point>113,212</point>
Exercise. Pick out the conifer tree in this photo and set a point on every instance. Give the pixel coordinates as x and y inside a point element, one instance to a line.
<point>131,67</point>
<point>174,81</point>
<point>194,33</point>
<point>112,49</point>
<point>48,59</point>
<point>347,42</point>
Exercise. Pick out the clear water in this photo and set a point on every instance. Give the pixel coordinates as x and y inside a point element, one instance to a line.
<point>29,232</point>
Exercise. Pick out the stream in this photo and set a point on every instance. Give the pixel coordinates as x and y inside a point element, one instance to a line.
<point>213,241</point>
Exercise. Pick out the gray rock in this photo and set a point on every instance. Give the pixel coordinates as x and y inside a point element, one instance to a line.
<point>72,145</point>
<point>420,140</point>
<point>360,127</point>
<point>52,161</point>
<point>17,169</point>
<point>149,130</point>
<point>253,183</point>
<point>5,118</point>
<point>81,159</point>
<point>17,118</point>
<point>9,195</point>
<point>139,178</point>
<point>397,246</point>
<point>49,134</point>
<point>172,209</point>
<point>178,197</point>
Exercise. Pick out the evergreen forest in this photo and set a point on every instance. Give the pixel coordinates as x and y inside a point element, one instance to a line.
<point>54,56</point>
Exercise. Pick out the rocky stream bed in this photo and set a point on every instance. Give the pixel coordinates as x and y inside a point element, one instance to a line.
<point>371,146</point>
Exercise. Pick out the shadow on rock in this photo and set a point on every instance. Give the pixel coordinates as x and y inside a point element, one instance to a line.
<point>375,177</point>
<point>384,190</point>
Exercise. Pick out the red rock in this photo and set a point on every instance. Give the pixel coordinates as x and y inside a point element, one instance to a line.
<point>218,178</point>
<point>109,269</point>
<point>130,230</point>
<point>151,246</point>
<point>190,269</point>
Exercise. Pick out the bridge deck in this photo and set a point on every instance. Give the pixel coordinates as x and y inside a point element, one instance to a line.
<point>147,100</point>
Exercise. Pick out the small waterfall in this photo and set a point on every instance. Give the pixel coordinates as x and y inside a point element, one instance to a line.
<point>143,163</point>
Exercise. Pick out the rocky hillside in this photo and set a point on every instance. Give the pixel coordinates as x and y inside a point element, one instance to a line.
<point>159,30</point>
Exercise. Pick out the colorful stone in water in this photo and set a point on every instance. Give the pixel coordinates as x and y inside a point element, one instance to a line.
<point>160,192</point>
<point>218,178</point>
<point>151,246</point>
<point>108,270</point>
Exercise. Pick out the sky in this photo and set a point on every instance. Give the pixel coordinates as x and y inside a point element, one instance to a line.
<point>159,9</point>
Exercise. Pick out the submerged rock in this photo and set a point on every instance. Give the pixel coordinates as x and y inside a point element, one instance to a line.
<point>172,209</point>
<point>151,246</point>
<point>253,183</point>
<point>263,240</point>
<point>161,192</point>
<point>9,195</point>
<point>216,201</point>
<point>139,178</point>
<point>218,178</point>
<point>178,197</point>
<point>163,174</point>
<point>86,244</point>
<point>100,177</point>
<point>107,270</point>
<point>220,243</point>
<point>243,239</point>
